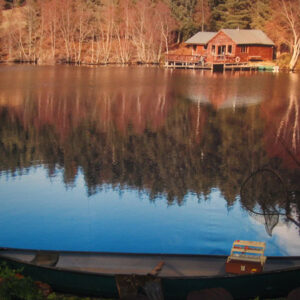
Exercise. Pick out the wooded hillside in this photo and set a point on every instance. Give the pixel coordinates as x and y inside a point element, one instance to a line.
<point>125,31</point>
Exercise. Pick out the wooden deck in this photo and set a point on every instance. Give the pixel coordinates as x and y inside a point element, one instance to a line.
<point>220,63</point>
<point>215,67</point>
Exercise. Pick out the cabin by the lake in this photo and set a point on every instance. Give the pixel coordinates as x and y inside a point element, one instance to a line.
<point>228,46</point>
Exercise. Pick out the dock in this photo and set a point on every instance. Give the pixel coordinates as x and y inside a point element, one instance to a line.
<point>219,63</point>
<point>215,67</point>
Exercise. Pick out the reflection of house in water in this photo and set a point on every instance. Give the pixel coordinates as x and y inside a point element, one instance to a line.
<point>227,90</point>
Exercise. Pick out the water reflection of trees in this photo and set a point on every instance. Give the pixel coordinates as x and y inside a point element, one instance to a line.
<point>264,196</point>
<point>282,140</point>
<point>149,142</point>
<point>282,134</point>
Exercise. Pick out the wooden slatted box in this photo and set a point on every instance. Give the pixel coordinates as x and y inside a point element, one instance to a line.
<point>246,257</point>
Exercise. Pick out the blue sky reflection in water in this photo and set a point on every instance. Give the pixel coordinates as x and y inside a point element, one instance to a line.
<point>83,169</point>
<point>114,220</point>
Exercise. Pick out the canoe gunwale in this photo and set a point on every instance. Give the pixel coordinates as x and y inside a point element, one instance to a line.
<point>115,253</point>
<point>137,254</point>
<point>211,257</point>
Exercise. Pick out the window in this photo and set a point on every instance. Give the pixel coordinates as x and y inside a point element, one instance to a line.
<point>229,49</point>
<point>194,47</point>
<point>205,46</point>
<point>221,50</point>
<point>244,49</point>
<point>213,49</point>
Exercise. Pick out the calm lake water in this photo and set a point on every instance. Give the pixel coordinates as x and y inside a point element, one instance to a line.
<point>139,159</point>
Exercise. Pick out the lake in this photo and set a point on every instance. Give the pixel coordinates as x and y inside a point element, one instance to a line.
<point>142,159</point>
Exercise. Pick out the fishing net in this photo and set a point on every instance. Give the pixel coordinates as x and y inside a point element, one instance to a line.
<point>264,196</point>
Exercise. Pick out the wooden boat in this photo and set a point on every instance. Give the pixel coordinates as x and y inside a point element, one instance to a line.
<point>103,274</point>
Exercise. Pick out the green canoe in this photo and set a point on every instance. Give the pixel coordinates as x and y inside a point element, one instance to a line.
<point>101,274</point>
<point>266,68</point>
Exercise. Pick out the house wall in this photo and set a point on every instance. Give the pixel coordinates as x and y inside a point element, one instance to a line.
<point>252,51</point>
<point>255,52</point>
<point>219,39</point>
<point>196,49</point>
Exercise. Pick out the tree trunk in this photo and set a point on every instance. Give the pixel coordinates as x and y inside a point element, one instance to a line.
<point>295,55</point>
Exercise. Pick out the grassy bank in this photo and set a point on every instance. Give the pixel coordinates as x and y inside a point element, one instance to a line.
<point>14,286</point>
<point>284,60</point>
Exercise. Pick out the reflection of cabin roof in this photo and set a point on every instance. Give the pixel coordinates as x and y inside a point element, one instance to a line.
<point>240,101</point>
<point>239,36</point>
<point>247,36</point>
<point>201,38</point>
<point>233,101</point>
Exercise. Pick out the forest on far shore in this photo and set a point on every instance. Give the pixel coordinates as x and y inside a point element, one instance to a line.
<point>134,31</point>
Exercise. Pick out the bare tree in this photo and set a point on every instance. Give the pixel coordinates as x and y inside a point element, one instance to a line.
<point>150,30</point>
<point>94,31</point>
<point>123,31</point>
<point>65,18</point>
<point>1,26</point>
<point>106,26</point>
<point>285,26</point>
<point>291,11</point>
<point>83,17</point>
<point>32,27</point>
<point>8,34</point>
<point>49,30</point>
<point>167,24</point>
<point>139,38</point>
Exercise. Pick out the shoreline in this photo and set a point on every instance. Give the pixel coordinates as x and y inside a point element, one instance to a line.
<point>267,65</point>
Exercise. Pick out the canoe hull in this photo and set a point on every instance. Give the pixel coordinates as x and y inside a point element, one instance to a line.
<point>267,284</point>
<point>66,281</point>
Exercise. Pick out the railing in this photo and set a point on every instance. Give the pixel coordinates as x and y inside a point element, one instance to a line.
<point>225,58</point>
<point>185,58</point>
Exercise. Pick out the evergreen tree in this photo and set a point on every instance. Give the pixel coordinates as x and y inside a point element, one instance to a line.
<point>11,3</point>
<point>231,14</point>
<point>215,3</point>
<point>218,15</point>
<point>183,11</point>
<point>260,13</point>
<point>239,14</point>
